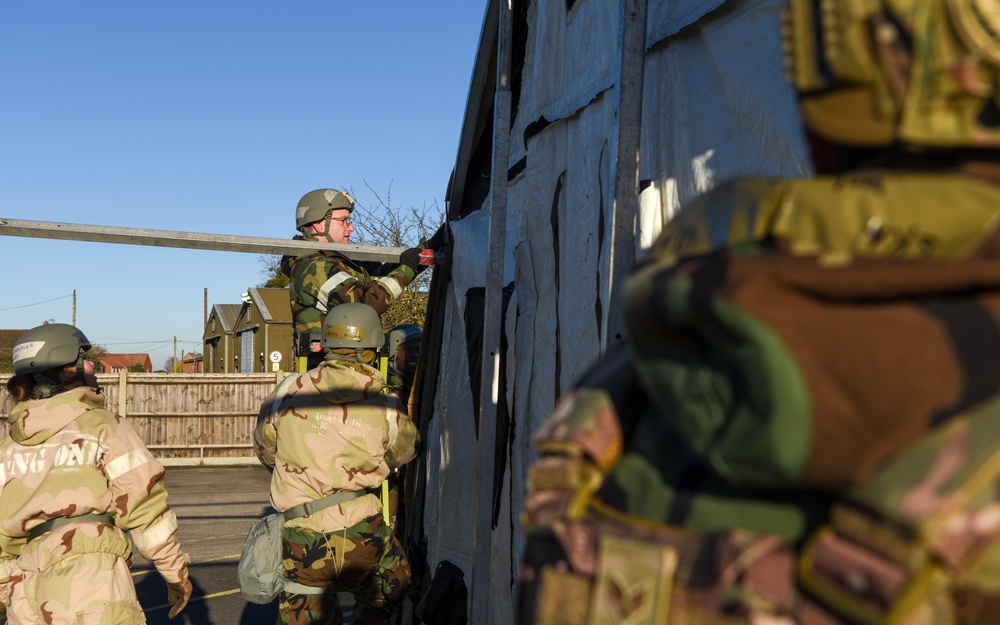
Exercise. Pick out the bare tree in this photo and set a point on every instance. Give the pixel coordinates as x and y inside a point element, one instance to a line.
<point>384,224</point>
<point>270,269</point>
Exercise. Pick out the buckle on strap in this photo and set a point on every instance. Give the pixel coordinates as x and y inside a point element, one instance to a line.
<point>322,503</point>
<point>47,526</point>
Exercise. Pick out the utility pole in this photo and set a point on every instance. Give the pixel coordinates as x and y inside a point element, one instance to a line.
<point>74,306</point>
<point>174,366</point>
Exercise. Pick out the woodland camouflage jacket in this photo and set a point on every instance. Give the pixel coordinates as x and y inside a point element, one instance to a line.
<point>329,430</point>
<point>324,279</point>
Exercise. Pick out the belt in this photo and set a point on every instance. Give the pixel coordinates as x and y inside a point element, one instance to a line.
<point>47,526</point>
<point>322,503</point>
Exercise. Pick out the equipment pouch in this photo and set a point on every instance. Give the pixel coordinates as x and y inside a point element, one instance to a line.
<point>259,570</point>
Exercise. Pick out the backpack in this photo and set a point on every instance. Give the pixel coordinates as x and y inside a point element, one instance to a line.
<point>805,427</point>
<point>259,570</point>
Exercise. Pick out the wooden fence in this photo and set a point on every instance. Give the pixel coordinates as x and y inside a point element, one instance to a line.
<point>184,419</point>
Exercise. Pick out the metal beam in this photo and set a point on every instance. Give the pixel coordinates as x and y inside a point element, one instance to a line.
<point>190,240</point>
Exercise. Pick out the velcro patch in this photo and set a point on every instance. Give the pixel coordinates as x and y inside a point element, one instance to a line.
<point>27,350</point>
<point>347,333</point>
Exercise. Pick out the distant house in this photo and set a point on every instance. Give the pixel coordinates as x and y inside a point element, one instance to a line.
<point>8,338</point>
<point>114,363</point>
<point>192,363</point>
<point>263,332</point>
<point>219,340</point>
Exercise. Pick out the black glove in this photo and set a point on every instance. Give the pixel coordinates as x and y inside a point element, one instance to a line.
<point>411,258</point>
<point>437,240</point>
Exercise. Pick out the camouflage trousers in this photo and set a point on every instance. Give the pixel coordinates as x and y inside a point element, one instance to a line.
<point>84,589</point>
<point>365,560</point>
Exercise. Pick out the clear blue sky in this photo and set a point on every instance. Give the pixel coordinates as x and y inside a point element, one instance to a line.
<point>208,117</point>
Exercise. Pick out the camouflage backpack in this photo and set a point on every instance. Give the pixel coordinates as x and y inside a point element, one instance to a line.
<point>805,425</point>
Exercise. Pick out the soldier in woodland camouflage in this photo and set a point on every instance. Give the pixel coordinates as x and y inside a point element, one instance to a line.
<point>322,280</point>
<point>333,431</point>
<point>76,479</point>
<point>804,426</point>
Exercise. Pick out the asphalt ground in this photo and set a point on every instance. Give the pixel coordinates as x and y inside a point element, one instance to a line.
<point>215,508</point>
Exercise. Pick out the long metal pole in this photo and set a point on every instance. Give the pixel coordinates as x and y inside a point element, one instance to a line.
<point>492,318</point>
<point>190,240</point>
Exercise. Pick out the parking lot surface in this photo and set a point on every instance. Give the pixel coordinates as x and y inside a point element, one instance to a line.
<point>215,508</point>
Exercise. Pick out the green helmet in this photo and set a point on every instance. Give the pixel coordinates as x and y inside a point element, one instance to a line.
<point>47,347</point>
<point>316,204</point>
<point>354,326</point>
<point>917,72</point>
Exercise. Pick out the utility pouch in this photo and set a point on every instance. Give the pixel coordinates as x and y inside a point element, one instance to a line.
<point>920,539</point>
<point>259,570</point>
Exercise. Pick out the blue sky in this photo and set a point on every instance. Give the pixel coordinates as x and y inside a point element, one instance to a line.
<point>208,117</point>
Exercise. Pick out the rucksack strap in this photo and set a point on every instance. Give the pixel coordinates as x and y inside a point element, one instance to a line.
<point>47,526</point>
<point>322,503</point>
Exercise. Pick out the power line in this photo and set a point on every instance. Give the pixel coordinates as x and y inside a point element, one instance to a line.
<point>36,303</point>
<point>130,341</point>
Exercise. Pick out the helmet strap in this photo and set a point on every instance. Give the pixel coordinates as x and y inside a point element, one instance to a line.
<point>398,379</point>
<point>326,223</point>
<point>47,387</point>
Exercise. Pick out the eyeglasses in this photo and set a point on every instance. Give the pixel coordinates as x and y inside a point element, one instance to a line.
<point>344,220</point>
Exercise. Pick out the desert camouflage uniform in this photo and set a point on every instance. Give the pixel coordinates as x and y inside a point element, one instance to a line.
<point>326,278</point>
<point>325,431</point>
<point>66,456</point>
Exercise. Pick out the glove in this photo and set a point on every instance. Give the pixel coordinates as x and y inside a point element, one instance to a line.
<point>178,594</point>
<point>437,240</point>
<point>411,258</point>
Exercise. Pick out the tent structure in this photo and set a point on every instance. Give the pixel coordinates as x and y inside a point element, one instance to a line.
<point>589,123</point>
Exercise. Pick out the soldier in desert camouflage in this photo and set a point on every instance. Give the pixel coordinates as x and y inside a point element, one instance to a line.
<point>322,280</point>
<point>332,432</point>
<point>804,425</point>
<point>75,479</point>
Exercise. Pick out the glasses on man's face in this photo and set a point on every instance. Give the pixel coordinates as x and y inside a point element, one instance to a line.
<point>344,220</point>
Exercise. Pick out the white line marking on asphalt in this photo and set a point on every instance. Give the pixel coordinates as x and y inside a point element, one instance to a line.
<point>193,599</point>
<point>234,556</point>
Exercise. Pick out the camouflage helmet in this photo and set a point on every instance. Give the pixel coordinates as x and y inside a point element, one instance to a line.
<point>352,326</point>
<point>916,72</point>
<point>47,347</point>
<point>316,204</point>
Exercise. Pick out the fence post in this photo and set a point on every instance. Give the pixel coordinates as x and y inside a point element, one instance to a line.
<point>122,377</point>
